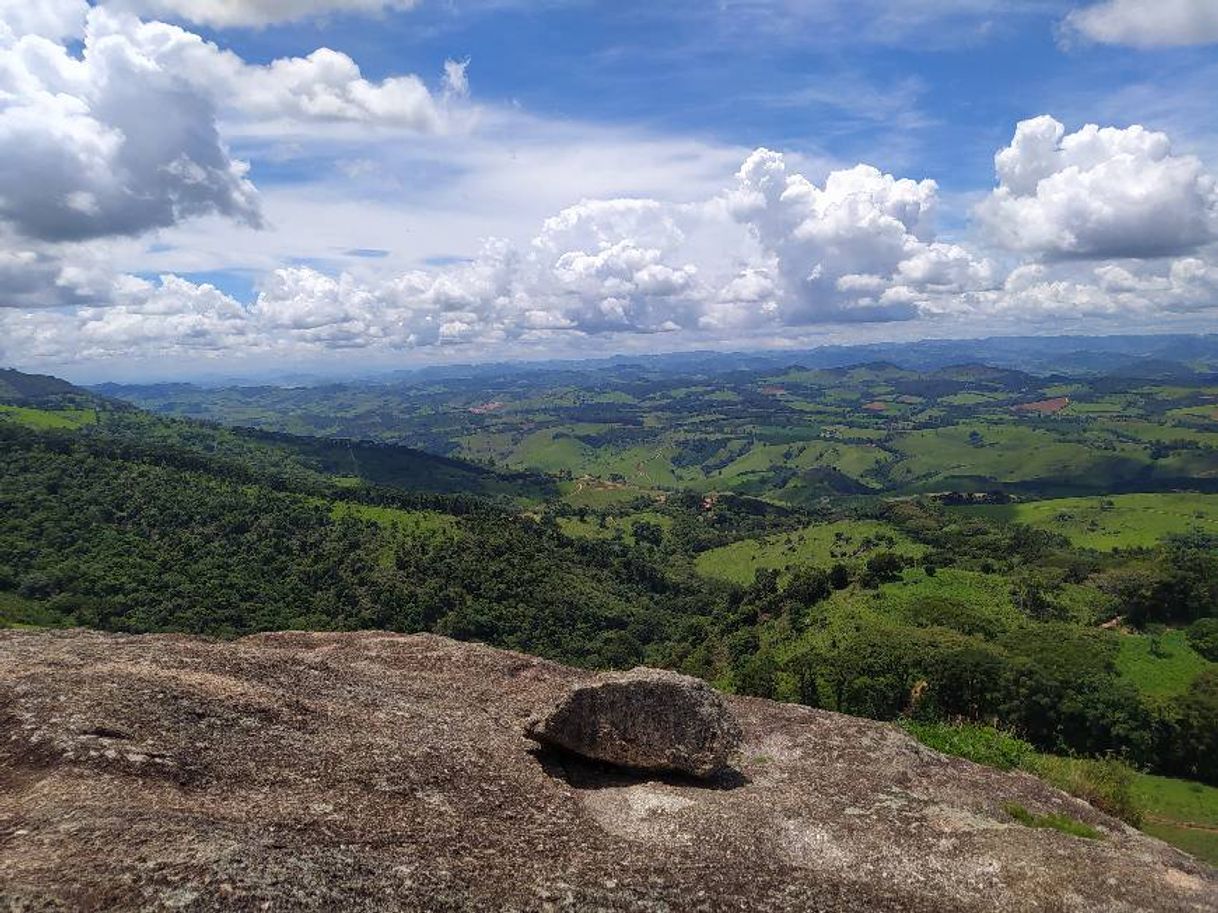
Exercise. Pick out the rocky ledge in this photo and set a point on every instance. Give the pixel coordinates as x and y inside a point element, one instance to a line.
<point>372,772</point>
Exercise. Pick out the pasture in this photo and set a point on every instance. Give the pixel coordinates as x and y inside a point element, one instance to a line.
<point>1160,665</point>
<point>49,419</point>
<point>1180,812</point>
<point>848,541</point>
<point>1112,521</point>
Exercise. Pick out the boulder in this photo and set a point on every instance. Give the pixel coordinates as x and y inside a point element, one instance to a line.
<point>644,719</point>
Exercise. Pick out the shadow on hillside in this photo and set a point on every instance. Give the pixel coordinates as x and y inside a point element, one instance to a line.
<point>582,773</point>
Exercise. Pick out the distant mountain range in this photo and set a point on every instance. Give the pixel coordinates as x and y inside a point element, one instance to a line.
<point>1155,357</point>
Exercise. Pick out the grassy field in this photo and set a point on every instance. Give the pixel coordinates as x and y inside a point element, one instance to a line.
<point>1006,453</point>
<point>1182,813</point>
<point>1116,521</point>
<point>847,540</point>
<point>1163,665</point>
<point>1179,812</point>
<point>853,460</point>
<point>49,419</point>
<point>598,494</point>
<point>965,601</point>
<point>591,529</point>
<point>412,522</point>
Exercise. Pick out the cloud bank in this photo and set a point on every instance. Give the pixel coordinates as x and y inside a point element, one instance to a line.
<point>1143,24</point>
<point>772,252</point>
<point>114,128</point>
<point>256,13</point>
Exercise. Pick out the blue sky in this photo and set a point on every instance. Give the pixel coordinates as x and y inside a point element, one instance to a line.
<point>448,180</point>
<point>954,84</point>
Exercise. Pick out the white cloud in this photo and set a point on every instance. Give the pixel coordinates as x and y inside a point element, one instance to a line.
<point>107,144</point>
<point>769,257</point>
<point>124,138</point>
<point>325,86</point>
<point>52,19</point>
<point>32,278</point>
<point>1098,192</point>
<point>168,317</point>
<point>456,78</point>
<point>860,248</point>
<point>230,13</point>
<point>1147,23</point>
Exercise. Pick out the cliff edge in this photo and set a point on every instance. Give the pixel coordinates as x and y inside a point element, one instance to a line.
<point>375,772</point>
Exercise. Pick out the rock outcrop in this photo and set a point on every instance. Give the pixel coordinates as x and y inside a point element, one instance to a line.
<point>373,772</point>
<point>644,719</point>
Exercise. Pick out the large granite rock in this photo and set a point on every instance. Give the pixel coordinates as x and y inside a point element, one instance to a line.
<point>371,772</point>
<point>644,719</point>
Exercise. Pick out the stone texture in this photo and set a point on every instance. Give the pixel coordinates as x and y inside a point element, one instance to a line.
<point>644,719</point>
<point>373,772</point>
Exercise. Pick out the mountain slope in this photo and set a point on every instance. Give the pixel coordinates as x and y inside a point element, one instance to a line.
<point>126,534</point>
<point>120,426</point>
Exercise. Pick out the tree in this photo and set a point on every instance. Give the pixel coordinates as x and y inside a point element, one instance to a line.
<point>1195,743</point>
<point>968,682</point>
<point>648,533</point>
<point>757,675</point>
<point>884,567</point>
<point>839,576</point>
<point>1203,637</point>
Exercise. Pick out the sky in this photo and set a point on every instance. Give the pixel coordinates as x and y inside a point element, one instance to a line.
<point>201,187</point>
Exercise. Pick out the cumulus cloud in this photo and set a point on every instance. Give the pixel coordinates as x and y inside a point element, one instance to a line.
<point>771,252</point>
<point>859,248</point>
<point>1034,292</point>
<point>230,13</point>
<point>167,317</point>
<point>325,85</point>
<point>1098,192</point>
<point>123,137</point>
<point>49,18</point>
<point>107,144</point>
<point>1141,24</point>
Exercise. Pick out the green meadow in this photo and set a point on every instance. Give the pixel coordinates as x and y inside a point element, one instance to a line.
<point>1180,812</point>
<point>848,541</point>
<point>48,419</point>
<point>1112,521</point>
<point>1161,665</point>
<point>612,526</point>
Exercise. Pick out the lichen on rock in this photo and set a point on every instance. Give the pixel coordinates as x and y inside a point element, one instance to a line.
<point>644,719</point>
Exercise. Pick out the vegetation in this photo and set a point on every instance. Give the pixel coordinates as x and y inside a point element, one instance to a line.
<point>1022,570</point>
<point>1052,820</point>
<point>1116,521</point>
<point>978,743</point>
<point>1180,812</point>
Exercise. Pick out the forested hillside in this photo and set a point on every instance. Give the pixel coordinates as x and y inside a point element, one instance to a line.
<point>1086,626</point>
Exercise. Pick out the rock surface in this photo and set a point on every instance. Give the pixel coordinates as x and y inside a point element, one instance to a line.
<point>644,719</point>
<point>373,772</point>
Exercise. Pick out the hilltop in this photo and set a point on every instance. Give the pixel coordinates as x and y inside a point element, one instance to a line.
<point>382,772</point>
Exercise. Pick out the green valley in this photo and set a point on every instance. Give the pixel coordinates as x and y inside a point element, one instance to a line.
<point>947,546</point>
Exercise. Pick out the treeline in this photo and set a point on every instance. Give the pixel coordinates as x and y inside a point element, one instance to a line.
<point>107,536</point>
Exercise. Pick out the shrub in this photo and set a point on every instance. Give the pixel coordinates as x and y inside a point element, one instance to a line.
<point>981,744</point>
<point>1203,637</point>
<point>1106,783</point>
